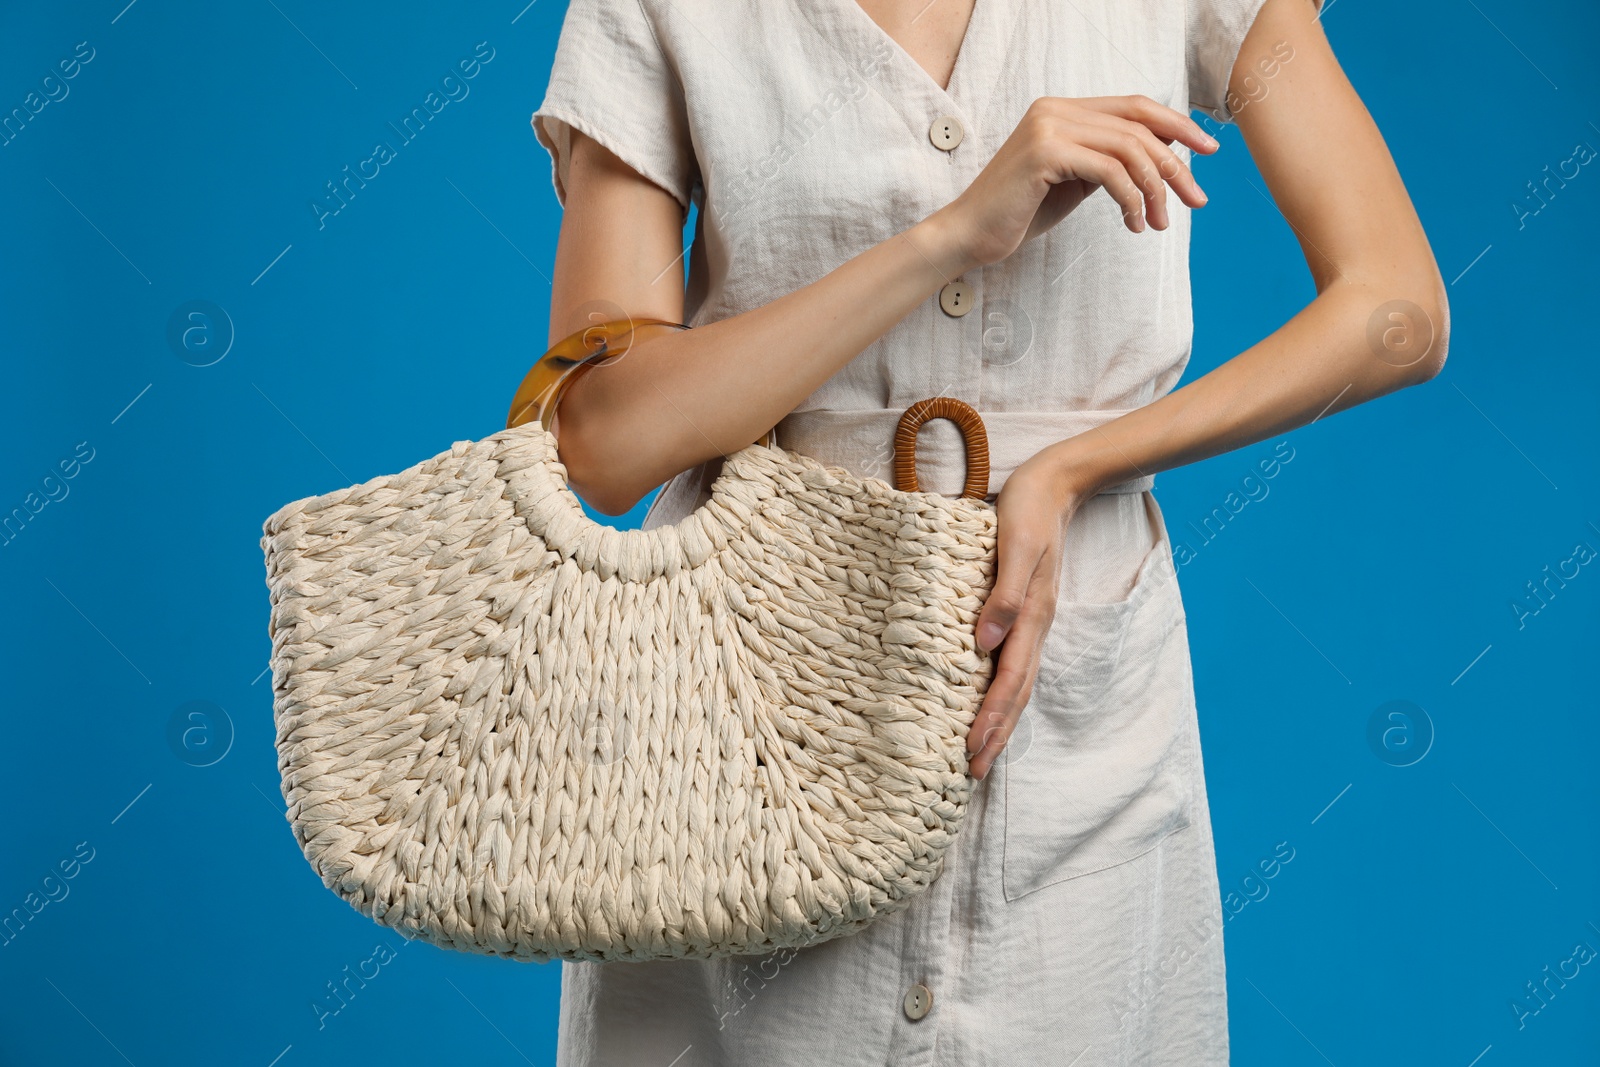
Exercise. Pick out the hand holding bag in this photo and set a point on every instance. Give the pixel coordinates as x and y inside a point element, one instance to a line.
<point>505,728</point>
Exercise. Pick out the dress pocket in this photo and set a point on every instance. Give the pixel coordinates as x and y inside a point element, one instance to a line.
<point>1101,774</point>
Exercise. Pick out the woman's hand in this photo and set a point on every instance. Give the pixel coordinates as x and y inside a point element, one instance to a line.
<point>1061,151</point>
<point>1035,505</point>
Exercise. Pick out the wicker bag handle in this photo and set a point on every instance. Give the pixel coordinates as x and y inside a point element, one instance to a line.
<point>971,424</point>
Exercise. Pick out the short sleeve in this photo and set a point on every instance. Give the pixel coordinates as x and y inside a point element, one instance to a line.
<point>1215,31</point>
<point>613,80</point>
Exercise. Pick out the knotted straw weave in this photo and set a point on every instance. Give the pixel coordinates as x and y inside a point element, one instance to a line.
<point>505,728</point>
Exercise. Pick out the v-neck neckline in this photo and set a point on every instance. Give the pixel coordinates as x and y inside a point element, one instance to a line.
<point>947,91</point>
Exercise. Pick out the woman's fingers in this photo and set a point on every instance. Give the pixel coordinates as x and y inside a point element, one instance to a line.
<point>1149,163</point>
<point>1016,614</point>
<point>1165,122</point>
<point>1017,556</point>
<point>1017,560</point>
<point>1008,692</point>
<point>1176,174</point>
<point>1117,143</point>
<point>1169,167</point>
<point>1108,172</point>
<point>1117,127</point>
<point>1059,153</point>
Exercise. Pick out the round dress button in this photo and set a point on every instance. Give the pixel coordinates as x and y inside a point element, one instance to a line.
<point>956,299</point>
<point>918,1002</point>
<point>946,132</point>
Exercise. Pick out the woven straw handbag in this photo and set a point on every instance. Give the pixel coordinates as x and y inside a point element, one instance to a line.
<point>505,728</point>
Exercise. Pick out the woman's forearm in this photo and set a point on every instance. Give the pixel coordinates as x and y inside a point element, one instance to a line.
<point>681,399</point>
<point>1357,340</point>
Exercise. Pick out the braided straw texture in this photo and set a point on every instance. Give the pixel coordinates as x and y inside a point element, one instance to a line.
<point>505,728</point>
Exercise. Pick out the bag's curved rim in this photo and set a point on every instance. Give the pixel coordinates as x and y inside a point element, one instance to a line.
<point>554,513</point>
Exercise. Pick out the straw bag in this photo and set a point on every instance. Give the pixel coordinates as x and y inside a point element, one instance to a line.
<point>505,728</point>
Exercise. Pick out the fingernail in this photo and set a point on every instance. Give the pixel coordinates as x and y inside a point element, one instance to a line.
<point>1212,142</point>
<point>989,635</point>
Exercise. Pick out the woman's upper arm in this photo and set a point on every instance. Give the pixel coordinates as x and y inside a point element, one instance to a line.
<point>1324,161</point>
<point>620,250</point>
<point>616,122</point>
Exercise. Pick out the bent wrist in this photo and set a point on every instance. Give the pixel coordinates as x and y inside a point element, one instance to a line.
<point>1078,467</point>
<point>942,243</point>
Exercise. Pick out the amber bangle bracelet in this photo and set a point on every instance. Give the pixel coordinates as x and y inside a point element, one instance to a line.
<point>549,379</point>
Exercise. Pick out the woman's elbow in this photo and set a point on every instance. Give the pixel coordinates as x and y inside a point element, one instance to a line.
<point>1410,333</point>
<point>600,479</point>
<point>1437,314</point>
<point>605,493</point>
<point>605,497</point>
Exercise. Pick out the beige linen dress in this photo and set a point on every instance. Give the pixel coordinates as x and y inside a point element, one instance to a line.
<point>1077,920</point>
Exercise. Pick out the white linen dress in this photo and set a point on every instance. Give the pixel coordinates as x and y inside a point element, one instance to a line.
<point>1077,920</point>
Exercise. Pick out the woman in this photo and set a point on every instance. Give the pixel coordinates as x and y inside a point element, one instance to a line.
<point>909,198</point>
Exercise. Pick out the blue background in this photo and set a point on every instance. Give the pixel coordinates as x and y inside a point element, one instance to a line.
<point>1382,565</point>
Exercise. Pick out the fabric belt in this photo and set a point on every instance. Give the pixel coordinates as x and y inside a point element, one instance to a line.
<point>862,442</point>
